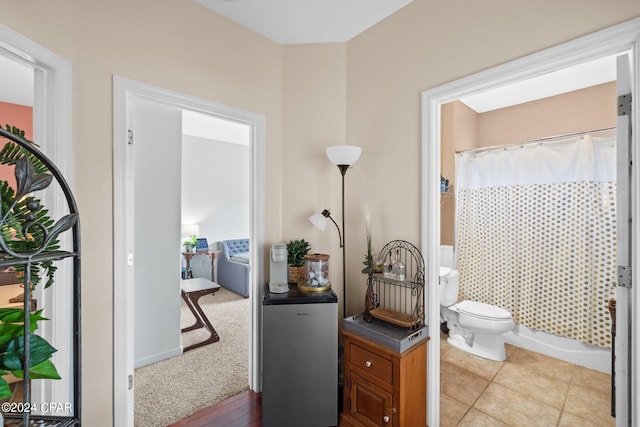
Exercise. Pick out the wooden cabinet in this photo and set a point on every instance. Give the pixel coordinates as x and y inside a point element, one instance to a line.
<point>383,387</point>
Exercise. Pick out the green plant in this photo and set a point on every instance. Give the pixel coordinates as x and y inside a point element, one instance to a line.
<point>296,250</point>
<point>22,208</point>
<point>26,231</point>
<point>191,242</point>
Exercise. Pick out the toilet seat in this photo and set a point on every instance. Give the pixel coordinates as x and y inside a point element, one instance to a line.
<point>481,310</point>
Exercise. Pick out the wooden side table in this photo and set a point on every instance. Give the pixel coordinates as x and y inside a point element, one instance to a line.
<point>211,254</point>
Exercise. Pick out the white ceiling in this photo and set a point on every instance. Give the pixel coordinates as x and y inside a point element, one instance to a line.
<point>210,127</point>
<point>306,21</point>
<point>16,82</point>
<point>566,80</point>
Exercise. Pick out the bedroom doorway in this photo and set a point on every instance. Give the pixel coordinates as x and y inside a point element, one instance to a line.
<point>125,93</point>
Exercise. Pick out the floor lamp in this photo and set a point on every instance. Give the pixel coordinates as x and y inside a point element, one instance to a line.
<point>342,156</point>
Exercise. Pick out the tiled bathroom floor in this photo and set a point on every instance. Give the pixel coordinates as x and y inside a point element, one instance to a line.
<point>527,389</point>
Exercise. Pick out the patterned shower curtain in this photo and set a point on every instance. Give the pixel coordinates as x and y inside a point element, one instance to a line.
<point>536,234</point>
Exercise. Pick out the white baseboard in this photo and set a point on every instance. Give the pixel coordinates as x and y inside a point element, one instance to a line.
<point>158,357</point>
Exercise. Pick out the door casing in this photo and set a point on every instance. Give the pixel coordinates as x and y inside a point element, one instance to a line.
<point>52,132</point>
<point>124,90</point>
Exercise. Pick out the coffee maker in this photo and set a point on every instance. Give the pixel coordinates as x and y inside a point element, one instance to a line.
<point>278,269</point>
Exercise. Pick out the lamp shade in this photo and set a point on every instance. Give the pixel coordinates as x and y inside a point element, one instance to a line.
<point>189,230</point>
<point>343,154</point>
<point>319,220</point>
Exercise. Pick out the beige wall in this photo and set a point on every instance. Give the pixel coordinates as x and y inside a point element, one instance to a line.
<point>577,111</point>
<point>459,132</point>
<point>365,92</point>
<point>421,46</point>
<point>583,110</point>
<point>314,118</point>
<point>177,45</point>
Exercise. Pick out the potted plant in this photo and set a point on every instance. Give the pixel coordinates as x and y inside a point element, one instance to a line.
<point>296,250</point>
<point>190,243</point>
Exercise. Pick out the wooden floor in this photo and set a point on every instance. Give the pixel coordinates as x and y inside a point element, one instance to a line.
<point>241,410</point>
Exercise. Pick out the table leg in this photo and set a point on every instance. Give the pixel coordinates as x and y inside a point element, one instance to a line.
<point>191,300</point>
<point>198,324</point>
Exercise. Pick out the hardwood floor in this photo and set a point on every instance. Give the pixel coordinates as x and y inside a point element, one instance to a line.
<point>241,410</point>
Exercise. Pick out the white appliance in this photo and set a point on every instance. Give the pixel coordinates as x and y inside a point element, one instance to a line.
<point>278,269</point>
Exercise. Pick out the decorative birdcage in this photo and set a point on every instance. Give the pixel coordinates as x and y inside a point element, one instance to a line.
<point>396,295</point>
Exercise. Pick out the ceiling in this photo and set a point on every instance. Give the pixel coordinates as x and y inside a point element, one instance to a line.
<point>306,21</point>
<point>314,21</point>
<point>565,80</point>
<point>16,85</point>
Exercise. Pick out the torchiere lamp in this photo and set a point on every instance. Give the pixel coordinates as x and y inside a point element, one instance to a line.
<point>342,156</point>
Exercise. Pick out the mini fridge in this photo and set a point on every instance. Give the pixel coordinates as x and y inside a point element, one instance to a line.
<point>300,359</point>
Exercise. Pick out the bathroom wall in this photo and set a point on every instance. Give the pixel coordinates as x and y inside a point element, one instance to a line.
<point>20,116</point>
<point>459,132</point>
<point>462,129</point>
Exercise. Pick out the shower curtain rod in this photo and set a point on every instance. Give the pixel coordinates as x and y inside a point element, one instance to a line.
<point>532,141</point>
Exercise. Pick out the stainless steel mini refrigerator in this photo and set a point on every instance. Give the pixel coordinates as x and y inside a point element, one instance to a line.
<point>300,359</point>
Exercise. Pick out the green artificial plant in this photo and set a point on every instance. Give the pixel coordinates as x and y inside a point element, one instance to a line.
<point>190,242</point>
<point>296,250</point>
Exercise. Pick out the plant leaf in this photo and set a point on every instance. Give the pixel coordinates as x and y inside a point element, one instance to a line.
<point>39,349</point>
<point>5,390</point>
<point>11,361</point>
<point>44,370</point>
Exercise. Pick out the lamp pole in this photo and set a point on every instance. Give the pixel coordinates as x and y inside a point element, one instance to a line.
<point>343,171</point>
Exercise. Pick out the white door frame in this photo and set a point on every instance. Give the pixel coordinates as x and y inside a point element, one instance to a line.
<point>617,39</point>
<point>52,132</point>
<point>123,91</point>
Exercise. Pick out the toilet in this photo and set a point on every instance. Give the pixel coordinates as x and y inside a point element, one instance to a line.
<point>474,327</point>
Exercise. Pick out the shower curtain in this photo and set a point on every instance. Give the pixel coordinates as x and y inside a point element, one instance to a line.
<point>536,231</point>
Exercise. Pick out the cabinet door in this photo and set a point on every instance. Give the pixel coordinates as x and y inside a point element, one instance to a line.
<point>369,404</point>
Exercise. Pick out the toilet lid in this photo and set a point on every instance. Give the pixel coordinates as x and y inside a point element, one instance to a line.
<point>444,271</point>
<point>480,309</point>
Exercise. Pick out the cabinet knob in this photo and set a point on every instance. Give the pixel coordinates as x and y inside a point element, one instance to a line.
<point>386,418</point>
<point>367,364</point>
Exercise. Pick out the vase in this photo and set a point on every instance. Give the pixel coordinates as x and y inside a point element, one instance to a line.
<point>296,274</point>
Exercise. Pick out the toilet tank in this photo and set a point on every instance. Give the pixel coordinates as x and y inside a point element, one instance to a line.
<point>448,286</point>
<point>447,256</point>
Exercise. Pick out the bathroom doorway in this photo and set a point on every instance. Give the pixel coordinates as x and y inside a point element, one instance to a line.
<point>615,40</point>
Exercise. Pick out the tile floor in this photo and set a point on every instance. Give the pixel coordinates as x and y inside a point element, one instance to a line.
<point>527,389</point>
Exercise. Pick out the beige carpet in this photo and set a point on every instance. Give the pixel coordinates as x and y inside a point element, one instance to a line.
<point>172,389</point>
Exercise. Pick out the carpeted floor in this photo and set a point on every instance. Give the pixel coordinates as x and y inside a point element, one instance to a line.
<point>172,389</point>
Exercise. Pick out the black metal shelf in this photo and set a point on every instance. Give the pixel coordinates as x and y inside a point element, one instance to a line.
<point>39,421</point>
<point>399,302</point>
<point>8,261</point>
<point>25,172</point>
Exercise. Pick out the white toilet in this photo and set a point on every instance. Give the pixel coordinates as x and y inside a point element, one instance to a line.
<point>474,327</point>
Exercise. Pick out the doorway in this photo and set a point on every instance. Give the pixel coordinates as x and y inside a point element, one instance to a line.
<point>126,91</point>
<point>51,86</point>
<point>608,42</point>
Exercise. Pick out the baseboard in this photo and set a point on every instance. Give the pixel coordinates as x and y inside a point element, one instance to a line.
<point>158,357</point>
